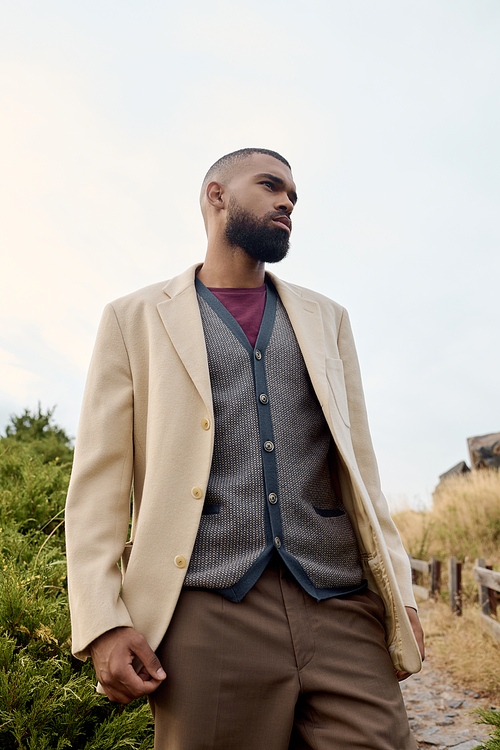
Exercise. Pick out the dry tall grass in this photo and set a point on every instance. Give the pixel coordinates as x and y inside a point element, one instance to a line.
<point>464,523</point>
<point>462,647</point>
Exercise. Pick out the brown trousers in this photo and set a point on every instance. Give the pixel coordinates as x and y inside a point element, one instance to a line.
<point>278,671</point>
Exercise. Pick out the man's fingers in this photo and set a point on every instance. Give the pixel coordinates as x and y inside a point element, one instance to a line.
<point>114,653</point>
<point>124,678</point>
<point>144,674</point>
<point>150,661</point>
<point>124,684</point>
<point>138,685</point>
<point>117,696</point>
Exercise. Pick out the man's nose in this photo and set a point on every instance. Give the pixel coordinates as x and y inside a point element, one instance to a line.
<point>284,203</point>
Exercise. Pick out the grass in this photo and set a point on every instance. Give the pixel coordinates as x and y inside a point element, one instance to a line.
<point>464,522</point>
<point>463,648</point>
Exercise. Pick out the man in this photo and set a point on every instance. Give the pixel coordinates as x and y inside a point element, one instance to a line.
<point>263,566</point>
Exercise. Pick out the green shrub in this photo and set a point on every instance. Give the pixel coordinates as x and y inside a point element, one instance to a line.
<point>47,698</point>
<point>32,491</point>
<point>43,436</point>
<point>492,718</point>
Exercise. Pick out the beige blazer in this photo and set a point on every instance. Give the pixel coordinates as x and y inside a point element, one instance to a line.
<point>147,424</point>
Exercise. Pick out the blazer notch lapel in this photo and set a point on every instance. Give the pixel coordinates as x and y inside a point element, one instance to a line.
<point>181,318</point>
<point>307,322</point>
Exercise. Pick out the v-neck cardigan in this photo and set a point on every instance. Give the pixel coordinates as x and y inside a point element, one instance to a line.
<point>271,487</point>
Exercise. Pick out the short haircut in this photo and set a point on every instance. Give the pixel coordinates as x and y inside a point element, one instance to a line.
<point>226,163</point>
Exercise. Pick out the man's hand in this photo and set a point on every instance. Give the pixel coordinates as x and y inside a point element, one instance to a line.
<point>419,635</point>
<point>113,653</point>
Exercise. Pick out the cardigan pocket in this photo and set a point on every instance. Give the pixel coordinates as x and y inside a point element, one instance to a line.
<point>335,375</point>
<point>211,509</point>
<point>329,512</point>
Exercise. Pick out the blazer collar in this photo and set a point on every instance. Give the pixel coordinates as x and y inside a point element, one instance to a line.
<point>180,315</point>
<point>305,317</point>
<point>181,283</point>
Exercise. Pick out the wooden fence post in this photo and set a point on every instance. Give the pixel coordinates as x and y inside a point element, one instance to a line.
<point>492,596</point>
<point>455,579</point>
<point>489,584</point>
<point>435,576</point>
<point>484,597</point>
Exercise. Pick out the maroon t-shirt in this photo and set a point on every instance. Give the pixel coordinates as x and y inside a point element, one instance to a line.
<point>246,306</point>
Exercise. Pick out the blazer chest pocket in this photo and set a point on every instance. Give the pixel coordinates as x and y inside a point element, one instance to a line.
<point>335,375</point>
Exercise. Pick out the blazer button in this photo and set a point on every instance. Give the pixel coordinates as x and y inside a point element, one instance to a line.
<point>205,423</point>
<point>197,493</point>
<point>180,561</point>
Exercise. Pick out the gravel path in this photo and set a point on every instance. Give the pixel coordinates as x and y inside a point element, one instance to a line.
<point>440,712</point>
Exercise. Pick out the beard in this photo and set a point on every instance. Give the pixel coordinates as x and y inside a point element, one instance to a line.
<point>258,238</point>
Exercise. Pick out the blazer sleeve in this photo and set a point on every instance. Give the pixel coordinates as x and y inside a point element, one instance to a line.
<point>98,503</point>
<point>367,463</point>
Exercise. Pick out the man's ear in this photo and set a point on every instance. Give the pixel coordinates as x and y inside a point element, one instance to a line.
<point>216,195</point>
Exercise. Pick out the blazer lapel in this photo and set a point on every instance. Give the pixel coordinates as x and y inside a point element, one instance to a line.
<point>306,320</point>
<point>180,315</point>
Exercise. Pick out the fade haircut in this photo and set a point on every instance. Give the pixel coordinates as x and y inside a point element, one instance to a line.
<point>225,165</point>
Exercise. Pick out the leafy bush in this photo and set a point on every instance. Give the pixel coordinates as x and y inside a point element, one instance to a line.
<point>43,436</point>
<point>32,490</point>
<point>47,698</point>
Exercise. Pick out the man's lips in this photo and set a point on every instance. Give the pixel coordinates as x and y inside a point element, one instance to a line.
<point>284,221</point>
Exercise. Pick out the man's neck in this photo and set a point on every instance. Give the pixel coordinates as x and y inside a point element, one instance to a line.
<point>235,270</point>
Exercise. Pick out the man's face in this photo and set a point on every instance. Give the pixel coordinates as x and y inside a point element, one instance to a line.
<point>258,215</point>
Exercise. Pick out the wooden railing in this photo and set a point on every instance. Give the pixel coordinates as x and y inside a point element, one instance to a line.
<point>431,568</point>
<point>488,584</point>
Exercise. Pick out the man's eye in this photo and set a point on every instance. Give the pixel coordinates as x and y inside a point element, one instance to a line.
<point>269,184</point>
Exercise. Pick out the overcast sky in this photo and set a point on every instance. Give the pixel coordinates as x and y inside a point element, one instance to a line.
<point>389,112</point>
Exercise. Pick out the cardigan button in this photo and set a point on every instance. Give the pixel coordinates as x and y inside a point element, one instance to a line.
<point>268,446</point>
<point>180,561</point>
<point>277,541</point>
<point>273,498</point>
<point>197,493</point>
<point>258,354</point>
<point>263,398</point>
